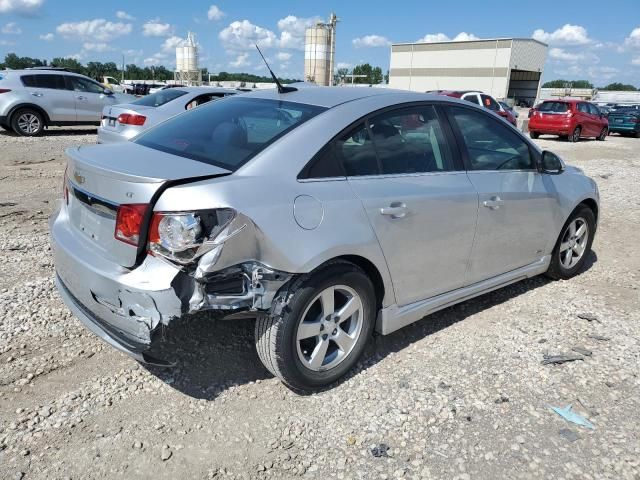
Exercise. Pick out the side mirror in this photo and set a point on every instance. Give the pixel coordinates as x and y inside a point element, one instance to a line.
<point>107,91</point>
<point>551,163</point>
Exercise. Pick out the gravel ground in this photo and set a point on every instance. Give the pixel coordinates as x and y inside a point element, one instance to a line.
<point>462,394</point>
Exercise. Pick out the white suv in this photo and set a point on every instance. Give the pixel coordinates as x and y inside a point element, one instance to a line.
<point>33,99</point>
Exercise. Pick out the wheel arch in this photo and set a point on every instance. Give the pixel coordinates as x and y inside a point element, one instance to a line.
<point>592,204</point>
<point>32,106</point>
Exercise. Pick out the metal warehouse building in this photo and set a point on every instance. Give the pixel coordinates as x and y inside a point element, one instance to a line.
<point>502,67</point>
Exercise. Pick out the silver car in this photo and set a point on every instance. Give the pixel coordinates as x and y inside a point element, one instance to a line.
<point>121,123</point>
<point>325,213</point>
<point>33,99</point>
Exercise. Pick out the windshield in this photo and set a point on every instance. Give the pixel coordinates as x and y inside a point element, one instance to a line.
<point>554,107</point>
<point>229,132</point>
<point>159,98</point>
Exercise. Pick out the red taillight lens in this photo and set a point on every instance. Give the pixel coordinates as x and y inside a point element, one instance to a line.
<point>5,90</point>
<point>131,119</point>
<point>129,220</point>
<point>635,120</point>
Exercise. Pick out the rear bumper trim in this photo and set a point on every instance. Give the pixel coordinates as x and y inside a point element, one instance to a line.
<point>106,332</point>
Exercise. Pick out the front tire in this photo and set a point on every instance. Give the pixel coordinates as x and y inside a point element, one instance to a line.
<point>27,122</point>
<point>573,245</point>
<point>534,135</point>
<point>322,331</point>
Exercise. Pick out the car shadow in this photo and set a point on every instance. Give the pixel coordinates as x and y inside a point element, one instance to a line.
<point>213,355</point>
<point>57,132</point>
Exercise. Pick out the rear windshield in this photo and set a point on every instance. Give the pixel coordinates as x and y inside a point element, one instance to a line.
<point>554,107</point>
<point>160,98</point>
<point>229,132</point>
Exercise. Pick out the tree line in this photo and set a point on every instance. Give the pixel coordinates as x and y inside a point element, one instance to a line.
<point>617,86</point>
<point>132,71</point>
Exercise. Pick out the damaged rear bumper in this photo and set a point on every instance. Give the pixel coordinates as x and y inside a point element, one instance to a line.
<point>131,309</point>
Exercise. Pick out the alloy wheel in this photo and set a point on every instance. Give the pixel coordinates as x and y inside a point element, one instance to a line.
<point>576,134</point>
<point>29,123</point>
<point>330,328</point>
<point>574,243</point>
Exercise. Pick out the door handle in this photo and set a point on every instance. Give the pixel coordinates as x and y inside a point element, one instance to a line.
<point>395,210</point>
<point>81,97</point>
<point>493,203</point>
<point>36,94</point>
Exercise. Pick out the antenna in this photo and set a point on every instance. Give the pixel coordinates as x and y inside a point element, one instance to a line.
<point>281,88</point>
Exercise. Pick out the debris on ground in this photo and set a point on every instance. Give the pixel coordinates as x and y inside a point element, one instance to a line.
<point>599,338</point>
<point>570,416</point>
<point>381,450</point>
<point>569,434</point>
<point>582,351</point>
<point>589,317</point>
<point>559,359</point>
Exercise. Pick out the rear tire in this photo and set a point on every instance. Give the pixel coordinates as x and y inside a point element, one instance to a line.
<point>572,249</point>
<point>27,122</point>
<point>636,135</point>
<point>306,359</point>
<point>575,136</point>
<point>603,135</point>
<point>534,135</point>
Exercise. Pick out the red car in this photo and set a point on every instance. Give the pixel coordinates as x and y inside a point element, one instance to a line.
<point>573,119</point>
<point>479,98</point>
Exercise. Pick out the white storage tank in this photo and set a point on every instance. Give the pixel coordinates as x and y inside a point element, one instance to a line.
<point>319,52</point>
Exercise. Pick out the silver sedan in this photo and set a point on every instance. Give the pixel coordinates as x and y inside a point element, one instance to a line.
<point>121,123</point>
<point>325,213</point>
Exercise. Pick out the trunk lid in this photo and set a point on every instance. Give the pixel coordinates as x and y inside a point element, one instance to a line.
<point>110,116</point>
<point>102,177</point>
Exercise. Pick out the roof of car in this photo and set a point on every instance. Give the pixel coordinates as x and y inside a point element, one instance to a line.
<point>206,89</point>
<point>332,96</point>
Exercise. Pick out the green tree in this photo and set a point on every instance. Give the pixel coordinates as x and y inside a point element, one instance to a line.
<point>11,60</point>
<point>372,75</point>
<point>620,87</point>
<point>568,84</point>
<point>69,63</point>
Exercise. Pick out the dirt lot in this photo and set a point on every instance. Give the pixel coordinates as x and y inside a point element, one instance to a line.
<point>461,394</point>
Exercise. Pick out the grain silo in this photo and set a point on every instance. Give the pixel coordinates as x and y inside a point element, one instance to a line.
<point>320,51</point>
<point>187,70</point>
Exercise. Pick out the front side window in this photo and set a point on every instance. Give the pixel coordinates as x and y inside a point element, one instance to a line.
<point>582,107</point>
<point>410,141</point>
<point>83,85</point>
<point>491,145</point>
<point>160,98</point>
<point>228,133</point>
<point>593,110</point>
<point>490,103</point>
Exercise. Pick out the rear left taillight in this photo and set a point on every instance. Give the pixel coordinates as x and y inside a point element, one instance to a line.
<point>5,90</point>
<point>129,221</point>
<point>131,119</point>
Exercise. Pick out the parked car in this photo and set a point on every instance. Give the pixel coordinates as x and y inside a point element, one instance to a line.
<point>33,99</point>
<point>484,100</point>
<point>509,108</point>
<point>572,119</point>
<point>112,84</point>
<point>121,123</point>
<point>625,121</point>
<point>327,213</point>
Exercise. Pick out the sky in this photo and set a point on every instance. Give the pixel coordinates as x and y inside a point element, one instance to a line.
<point>593,40</point>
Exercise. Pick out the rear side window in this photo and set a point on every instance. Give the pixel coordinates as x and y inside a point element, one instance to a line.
<point>230,132</point>
<point>473,98</point>
<point>490,144</point>
<point>53,82</point>
<point>410,141</point>
<point>160,98</point>
<point>553,107</point>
